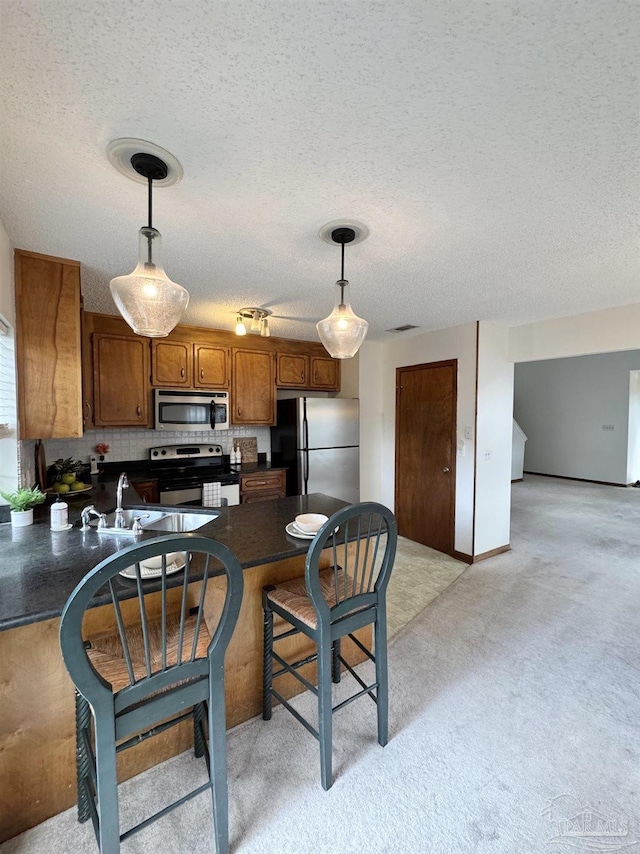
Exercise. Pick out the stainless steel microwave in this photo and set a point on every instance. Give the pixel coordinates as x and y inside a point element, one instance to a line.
<point>177,409</point>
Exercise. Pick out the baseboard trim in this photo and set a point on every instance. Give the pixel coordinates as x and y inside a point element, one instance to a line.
<point>492,553</point>
<point>580,479</point>
<point>517,480</point>
<point>465,558</point>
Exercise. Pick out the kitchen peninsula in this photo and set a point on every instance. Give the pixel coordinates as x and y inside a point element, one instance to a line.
<point>39,571</point>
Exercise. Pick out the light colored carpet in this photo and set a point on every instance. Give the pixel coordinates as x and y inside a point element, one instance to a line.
<point>515,704</point>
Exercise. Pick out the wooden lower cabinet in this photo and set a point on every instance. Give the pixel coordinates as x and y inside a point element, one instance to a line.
<point>253,387</point>
<point>120,380</point>
<point>262,486</point>
<point>148,490</point>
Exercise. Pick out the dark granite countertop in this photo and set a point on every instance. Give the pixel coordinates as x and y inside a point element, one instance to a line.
<point>39,568</point>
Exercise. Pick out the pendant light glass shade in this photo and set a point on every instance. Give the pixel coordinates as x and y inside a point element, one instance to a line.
<point>147,298</point>
<point>342,332</point>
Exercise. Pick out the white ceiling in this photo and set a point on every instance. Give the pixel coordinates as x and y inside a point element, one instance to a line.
<point>490,146</point>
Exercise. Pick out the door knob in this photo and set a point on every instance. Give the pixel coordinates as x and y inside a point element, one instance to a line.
<point>446,470</point>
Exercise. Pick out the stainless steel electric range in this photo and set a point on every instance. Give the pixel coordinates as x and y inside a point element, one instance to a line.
<point>182,469</point>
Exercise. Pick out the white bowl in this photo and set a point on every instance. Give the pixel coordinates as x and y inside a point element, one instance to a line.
<point>310,523</point>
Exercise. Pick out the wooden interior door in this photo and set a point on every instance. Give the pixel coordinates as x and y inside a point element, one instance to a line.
<point>426,398</point>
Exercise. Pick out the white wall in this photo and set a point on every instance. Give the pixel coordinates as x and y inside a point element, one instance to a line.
<point>378,363</point>
<point>493,439</point>
<point>563,404</point>
<point>607,331</point>
<point>9,471</point>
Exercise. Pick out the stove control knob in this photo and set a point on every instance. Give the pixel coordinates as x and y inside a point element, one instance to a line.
<point>155,453</point>
<point>210,450</point>
<point>163,453</point>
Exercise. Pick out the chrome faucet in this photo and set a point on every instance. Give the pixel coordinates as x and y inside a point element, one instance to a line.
<point>119,518</point>
<point>86,514</point>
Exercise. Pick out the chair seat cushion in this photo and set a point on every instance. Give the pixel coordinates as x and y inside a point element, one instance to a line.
<point>292,595</point>
<point>107,656</point>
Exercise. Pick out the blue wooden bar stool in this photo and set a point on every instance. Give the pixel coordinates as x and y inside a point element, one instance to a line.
<point>141,679</point>
<point>330,604</point>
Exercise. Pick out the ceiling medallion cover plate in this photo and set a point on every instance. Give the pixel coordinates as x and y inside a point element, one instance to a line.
<point>120,151</point>
<point>361,231</point>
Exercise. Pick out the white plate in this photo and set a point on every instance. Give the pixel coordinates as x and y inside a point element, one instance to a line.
<point>294,531</point>
<point>154,571</point>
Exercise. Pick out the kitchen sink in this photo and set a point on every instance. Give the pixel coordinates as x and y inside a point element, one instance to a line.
<point>178,522</point>
<point>169,521</point>
<point>145,516</point>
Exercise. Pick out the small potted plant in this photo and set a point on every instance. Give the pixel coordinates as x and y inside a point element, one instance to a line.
<point>22,502</point>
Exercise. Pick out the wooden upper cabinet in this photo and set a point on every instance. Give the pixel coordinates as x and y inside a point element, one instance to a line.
<point>120,380</point>
<point>253,389</point>
<point>171,363</point>
<point>324,373</point>
<point>211,366</point>
<point>48,346</point>
<point>292,370</point>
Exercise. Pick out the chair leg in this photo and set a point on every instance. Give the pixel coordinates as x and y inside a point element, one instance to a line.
<point>83,724</point>
<point>107,785</point>
<point>325,661</point>
<point>199,741</point>
<point>267,657</point>
<point>218,764</point>
<point>335,662</point>
<point>382,675</point>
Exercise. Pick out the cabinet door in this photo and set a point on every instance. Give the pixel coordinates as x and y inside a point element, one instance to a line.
<point>171,363</point>
<point>148,491</point>
<point>293,371</point>
<point>253,387</point>
<point>211,368</point>
<point>48,345</point>
<point>325,373</point>
<point>120,380</point>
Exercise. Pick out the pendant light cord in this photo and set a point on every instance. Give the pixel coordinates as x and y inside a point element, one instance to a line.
<point>150,217</point>
<point>150,180</point>
<point>342,277</point>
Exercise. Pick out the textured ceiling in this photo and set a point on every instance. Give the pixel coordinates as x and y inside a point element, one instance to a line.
<point>490,147</point>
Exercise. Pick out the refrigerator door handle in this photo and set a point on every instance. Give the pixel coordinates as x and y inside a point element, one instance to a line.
<point>306,471</point>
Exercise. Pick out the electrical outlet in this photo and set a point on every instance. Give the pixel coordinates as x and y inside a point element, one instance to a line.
<point>461,447</point>
<point>487,455</point>
<point>468,432</point>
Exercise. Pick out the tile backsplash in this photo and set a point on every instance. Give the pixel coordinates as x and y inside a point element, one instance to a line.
<point>134,444</point>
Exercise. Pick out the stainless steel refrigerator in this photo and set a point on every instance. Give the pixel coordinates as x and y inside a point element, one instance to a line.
<point>317,438</point>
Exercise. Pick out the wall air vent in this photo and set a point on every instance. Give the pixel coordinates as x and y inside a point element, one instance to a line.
<point>404,328</point>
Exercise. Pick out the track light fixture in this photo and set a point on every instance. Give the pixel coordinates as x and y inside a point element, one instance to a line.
<point>259,321</point>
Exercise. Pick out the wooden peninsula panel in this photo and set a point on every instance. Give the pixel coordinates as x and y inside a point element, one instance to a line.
<point>37,726</point>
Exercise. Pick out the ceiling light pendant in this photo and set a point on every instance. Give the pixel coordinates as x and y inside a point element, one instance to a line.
<point>343,331</point>
<point>147,298</point>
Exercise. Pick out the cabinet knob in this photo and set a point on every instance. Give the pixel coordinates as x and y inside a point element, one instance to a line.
<point>239,411</point>
<point>446,470</point>
<point>138,410</point>
<point>182,372</point>
<point>302,376</point>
